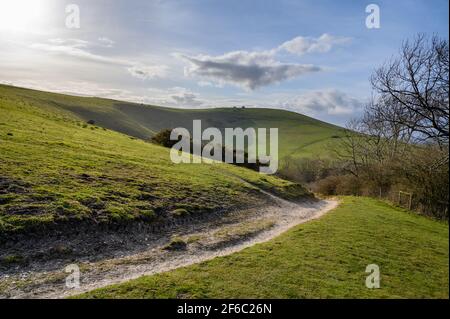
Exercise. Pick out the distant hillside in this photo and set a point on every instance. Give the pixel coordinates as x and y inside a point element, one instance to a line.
<point>299,135</point>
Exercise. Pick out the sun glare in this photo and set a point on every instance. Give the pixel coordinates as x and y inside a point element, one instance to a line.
<point>21,15</point>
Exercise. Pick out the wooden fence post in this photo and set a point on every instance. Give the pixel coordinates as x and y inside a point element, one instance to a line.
<point>409,201</point>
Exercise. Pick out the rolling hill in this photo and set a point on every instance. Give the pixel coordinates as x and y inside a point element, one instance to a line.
<point>299,135</point>
<point>57,171</point>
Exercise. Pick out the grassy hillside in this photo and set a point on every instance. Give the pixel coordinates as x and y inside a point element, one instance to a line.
<point>56,169</point>
<point>299,135</point>
<point>321,259</point>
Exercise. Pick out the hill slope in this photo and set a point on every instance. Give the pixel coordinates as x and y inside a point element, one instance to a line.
<point>56,170</point>
<point>299,135</point>
<point>326,258</point>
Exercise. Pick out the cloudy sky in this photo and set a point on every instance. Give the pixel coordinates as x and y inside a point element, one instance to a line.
<point>309,56</point>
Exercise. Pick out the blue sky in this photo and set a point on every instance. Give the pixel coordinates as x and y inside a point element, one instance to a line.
<point>311,57</point>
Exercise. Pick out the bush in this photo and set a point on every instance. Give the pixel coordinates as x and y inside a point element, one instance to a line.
<point>163,138</point>
<point>349,185</point>
<point>306,170</point>
<point>327,186</point>
<point>339,185</point>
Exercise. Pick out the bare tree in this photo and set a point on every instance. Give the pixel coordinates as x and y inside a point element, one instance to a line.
<point>348,150</point>
<point>417,84</point>
<point>386,118</point>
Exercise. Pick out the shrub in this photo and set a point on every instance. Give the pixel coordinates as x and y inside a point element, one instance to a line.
<point>349,185</point>
<point>163,138</point>
<point>306,170</point>
<point>327,186</point>
<point>339,185</point>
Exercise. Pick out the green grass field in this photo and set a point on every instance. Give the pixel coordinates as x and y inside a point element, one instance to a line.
<point>325,258</point>
<point>57,169</point>
<point>54,168</point>
<point>299,135</point>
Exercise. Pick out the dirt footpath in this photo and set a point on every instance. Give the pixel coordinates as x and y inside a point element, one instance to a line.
<point>180,246</point>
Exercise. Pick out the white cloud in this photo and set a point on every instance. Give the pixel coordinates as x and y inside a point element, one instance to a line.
<point>249,70</point>
<point>79,49</point>
<point>75,43</point>
<point>322,44</point>
<point>209,84</point>
<point>331,102</point>
<point>147,72</point>
<point>254,69</point>
<point>183,97</point>
<point>107,42</point>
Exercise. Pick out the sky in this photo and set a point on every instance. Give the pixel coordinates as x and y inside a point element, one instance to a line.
<point>313,57</point>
